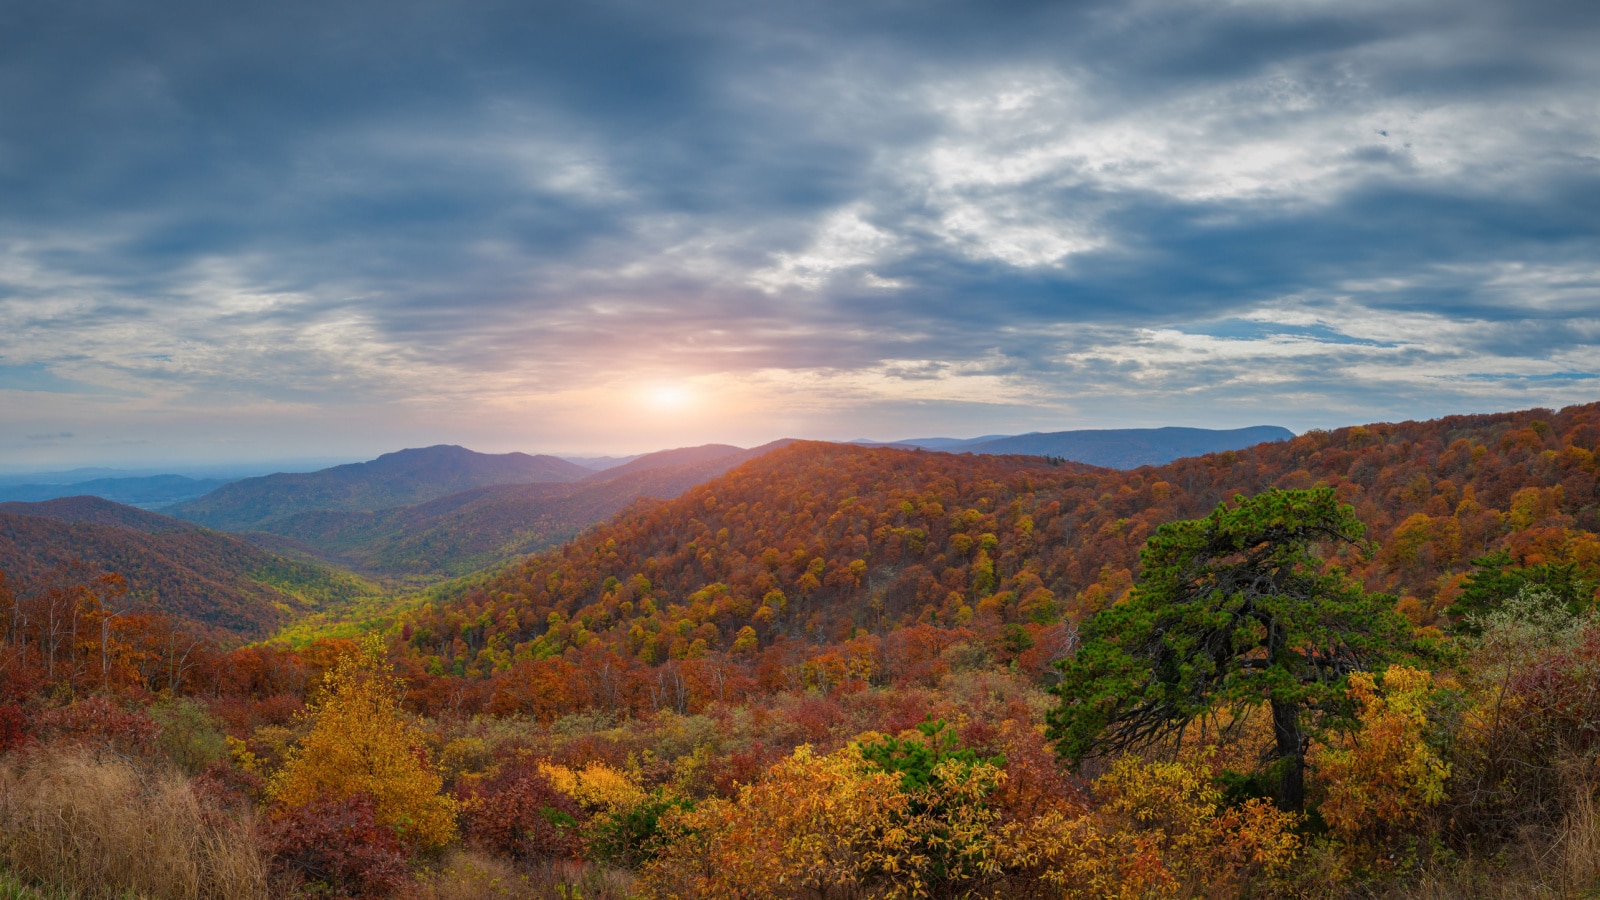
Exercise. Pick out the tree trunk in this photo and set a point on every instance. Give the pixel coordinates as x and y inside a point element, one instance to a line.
<point>1291,756</point>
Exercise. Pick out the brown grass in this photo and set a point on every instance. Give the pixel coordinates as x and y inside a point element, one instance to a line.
<point>1579,844</point>
<point>469,875</point>
<point>99,827</point>
<point>1566,868</point>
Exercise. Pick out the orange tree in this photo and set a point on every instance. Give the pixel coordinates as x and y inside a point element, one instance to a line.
<point>1229,610</point>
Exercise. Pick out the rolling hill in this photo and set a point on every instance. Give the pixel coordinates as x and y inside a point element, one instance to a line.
<point>482,527</point>
<point>212,582</point>
<point>823,542</point>
<point>394,479</point>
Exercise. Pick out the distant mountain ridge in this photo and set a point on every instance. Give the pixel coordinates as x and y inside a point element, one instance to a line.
<point>481,527</point>
<point>1114,448</point>
<point>392,480</point>
<point>141,491</point>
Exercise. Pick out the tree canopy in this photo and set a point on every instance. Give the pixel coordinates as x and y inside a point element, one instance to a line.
<point>361,744</point>
<point>1230,610</point>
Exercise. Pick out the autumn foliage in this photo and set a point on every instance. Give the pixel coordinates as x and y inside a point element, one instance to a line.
<point>360,745</point>
<point>337,847</point>
<point>828,674</point>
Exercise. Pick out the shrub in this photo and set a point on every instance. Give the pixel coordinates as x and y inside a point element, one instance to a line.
<point>188,736</point>
<point>596,786</point>
<point>1161,829</point>
<point>13,727</point>
<point>813,826</point>
<point>631,837</point>
<point>520,813</point>
<point>1529,747</point>
<point>337,847</point>
<point>1386,775</point>
<point>98,723</point>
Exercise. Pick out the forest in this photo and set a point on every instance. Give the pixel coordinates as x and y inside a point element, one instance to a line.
<point>1357,663</point>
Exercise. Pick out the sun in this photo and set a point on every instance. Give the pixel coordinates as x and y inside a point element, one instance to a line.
<point>669,398</point>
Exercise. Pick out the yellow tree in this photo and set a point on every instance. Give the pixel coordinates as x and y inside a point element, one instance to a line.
<point>1385,776</point>
<point>360,743</point>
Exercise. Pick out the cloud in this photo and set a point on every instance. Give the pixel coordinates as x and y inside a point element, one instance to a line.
<point>1042,214</point>
<point>39,378</point>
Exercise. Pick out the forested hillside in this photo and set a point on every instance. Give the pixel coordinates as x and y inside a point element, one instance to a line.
<point>483,527</point>
<point>815,541</point>
<point>208,581</point>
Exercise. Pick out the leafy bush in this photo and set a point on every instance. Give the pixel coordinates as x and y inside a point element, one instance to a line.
<point>1161,829</point>
<point>518,812</point>
<point>13,727</point>
<point>916,761</point>
<point>337,847</point>
<point>188,736</point>
<point>361,744</point>
<point>631,836</point>
<point>1387,774</point>
<point>99,723</point>
<point>596,787</point>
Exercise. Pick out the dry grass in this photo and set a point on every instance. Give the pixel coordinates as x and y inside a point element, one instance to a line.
<point>467,875</point>
<point>12,889</point>
<point>1566,868</point>
<point>101,828</point>
<point>1579,845</point>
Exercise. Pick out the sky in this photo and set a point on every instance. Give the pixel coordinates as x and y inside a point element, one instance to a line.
<point>336,228</point>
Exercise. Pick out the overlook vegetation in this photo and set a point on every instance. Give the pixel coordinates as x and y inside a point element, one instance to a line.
<point>1356,663</point>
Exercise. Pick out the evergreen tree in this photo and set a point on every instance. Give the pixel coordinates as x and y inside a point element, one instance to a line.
<point>1229,610</point>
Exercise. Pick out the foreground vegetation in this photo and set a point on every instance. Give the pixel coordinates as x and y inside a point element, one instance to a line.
<point>947,678</point>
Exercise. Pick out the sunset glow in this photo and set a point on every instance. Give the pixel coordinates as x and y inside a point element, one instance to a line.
<point>670,398</point>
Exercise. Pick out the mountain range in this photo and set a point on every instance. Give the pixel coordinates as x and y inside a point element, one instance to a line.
<point>830,550</point>
<point>471,530</point>
<point>147,491</point>
<point>1119,448</point>
<point>255,553</point>
<point>393,479</point>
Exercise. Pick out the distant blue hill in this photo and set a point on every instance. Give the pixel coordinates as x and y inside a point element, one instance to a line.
<point>1118,448</point>
<point>402,478</point>
<point>143,492</point>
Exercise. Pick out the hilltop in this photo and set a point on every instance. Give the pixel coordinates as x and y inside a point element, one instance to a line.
<point>392,480</point>
<point>818,541</point>
<point>471,530</point>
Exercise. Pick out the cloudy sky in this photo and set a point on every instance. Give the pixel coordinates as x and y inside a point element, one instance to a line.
<point>245,231</point>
